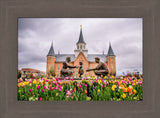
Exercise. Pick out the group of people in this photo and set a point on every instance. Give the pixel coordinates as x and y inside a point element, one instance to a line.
<point>100,70</point>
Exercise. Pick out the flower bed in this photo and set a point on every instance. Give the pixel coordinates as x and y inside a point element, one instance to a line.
<point>127,88</point>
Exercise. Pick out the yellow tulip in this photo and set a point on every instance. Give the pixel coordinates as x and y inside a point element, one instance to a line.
<point>19,84</point>
<point>123,96</point>
<point>113,89</point>
<point>98,90</point>
<point>34,81</point>
<point>26,82</point>
<point>134,91</point>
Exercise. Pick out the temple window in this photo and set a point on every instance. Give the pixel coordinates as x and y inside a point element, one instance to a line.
<point>58,67</point>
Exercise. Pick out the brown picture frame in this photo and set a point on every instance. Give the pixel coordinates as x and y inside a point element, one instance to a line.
<point>10,11</point>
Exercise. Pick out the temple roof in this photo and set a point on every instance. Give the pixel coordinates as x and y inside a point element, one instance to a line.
<point>90,57</point>
<point>110,51</point>
<point>51,51</point>
<point>81,40</point>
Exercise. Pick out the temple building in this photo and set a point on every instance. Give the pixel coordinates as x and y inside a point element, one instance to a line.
<point>55,61</point>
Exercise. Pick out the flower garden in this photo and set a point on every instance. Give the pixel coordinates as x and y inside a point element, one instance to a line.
<point>92,89</point>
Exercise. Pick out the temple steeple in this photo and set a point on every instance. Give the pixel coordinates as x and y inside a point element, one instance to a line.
<point>110,51</point>
<point>111,60</point>
<point>81,40</point>
<point>81,45</point>
<point>51,51</point>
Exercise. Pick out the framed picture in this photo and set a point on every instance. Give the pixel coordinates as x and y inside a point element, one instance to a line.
<point>95,70</point>
<point>35,67</point>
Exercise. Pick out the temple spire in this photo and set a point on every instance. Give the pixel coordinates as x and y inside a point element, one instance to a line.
<point>110,51</point>
<point>81,40</point>
<point>51,51</point>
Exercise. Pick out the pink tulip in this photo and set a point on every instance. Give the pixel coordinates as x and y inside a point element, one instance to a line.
<point>118,83</point>
<point>101,85</point>
<point>59,86</point>
<point>40,99</point>
<point>45,87</point>
<point>60,89</point>
<point>30,90</point>
<point>123,81</point>
<point>140,83</point>
<point>37,87</point>
<point>30,81</point>
<point>51,88</point>
<point>43,90</point>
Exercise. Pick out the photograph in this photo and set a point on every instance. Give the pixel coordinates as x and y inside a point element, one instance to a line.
<point>80,59</point>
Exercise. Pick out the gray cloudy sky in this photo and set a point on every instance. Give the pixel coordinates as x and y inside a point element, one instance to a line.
<point>36,34</point>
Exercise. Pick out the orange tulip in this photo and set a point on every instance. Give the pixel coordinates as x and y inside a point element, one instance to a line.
<point>124,90</point>
<point>129,90</point>
<point>85,91</point>
<point>75,89</point>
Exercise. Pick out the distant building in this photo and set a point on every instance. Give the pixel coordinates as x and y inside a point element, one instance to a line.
<point>28,71</point>
<point>55,61</point>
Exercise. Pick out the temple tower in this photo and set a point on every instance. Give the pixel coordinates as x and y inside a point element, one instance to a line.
<point>51,60</point>
<point>111,60</point>
<point>81,45</point>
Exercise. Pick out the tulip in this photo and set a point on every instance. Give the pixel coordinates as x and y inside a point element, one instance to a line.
<point>37,87</point>
<point>40,99</point>
<point>30,90</point>
<point>43,90</point>
<point>140,83</point>
<point>45,87</point>
<point>85,91</point>
<point>123,96</point>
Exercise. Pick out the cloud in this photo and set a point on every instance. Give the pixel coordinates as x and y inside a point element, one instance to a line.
<point>36,34</point>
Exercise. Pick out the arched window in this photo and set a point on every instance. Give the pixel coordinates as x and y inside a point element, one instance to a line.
<point>81,46</point>
<point>58,67</point>
<point>77,46</point>
<point>57,74</point>
<point>76,75</point>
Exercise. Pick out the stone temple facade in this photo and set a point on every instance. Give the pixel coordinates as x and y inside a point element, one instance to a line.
<point>55,61</point>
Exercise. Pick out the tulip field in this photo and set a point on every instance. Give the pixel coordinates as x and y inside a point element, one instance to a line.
<point>91,89</point>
